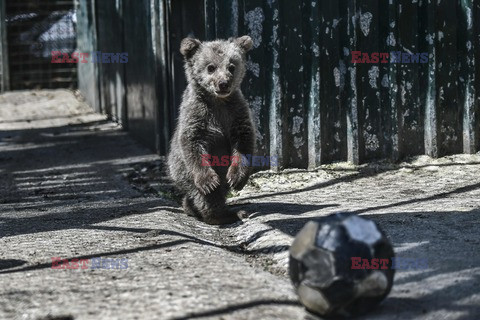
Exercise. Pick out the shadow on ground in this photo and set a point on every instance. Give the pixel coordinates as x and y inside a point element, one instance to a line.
<point>60,178</point>
<point>65,178</point>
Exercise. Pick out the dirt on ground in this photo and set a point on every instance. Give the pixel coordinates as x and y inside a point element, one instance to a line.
<point>75,185</point>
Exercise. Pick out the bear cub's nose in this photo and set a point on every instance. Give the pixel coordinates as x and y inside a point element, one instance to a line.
<point>223,86</point>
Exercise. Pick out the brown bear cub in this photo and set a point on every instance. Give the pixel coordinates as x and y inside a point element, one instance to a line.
<point>214,123</point>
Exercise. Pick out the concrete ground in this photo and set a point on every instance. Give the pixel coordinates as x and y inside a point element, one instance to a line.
<point>73,185</point>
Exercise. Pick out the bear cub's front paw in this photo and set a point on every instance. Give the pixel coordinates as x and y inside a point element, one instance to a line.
<point>206,181</point>
<point>237,176</point>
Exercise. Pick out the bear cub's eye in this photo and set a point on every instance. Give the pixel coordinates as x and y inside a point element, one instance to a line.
<point>211,68</point>
<point>231,68</point>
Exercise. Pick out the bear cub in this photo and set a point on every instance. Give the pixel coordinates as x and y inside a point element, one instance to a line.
<point>214,120</point>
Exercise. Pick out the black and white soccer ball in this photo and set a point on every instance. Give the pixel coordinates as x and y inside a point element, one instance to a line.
<point>321,265</point>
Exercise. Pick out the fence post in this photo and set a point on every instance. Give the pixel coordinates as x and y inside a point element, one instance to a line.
<point>161,52</point>
<point>4,74</point>
<point>353,127</point>
<point>275,89</point>
<point>88,79</point>
<point>466,50</point>
<point>431,142</point>
<point>314,119</point>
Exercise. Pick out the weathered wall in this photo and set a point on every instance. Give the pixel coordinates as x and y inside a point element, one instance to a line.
<point>311,104</point>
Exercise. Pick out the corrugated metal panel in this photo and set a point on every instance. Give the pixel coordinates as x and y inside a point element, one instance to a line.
<point>311,104</point>
<point>141,90</point>
<point>88,73</point>
<point>111,75</point>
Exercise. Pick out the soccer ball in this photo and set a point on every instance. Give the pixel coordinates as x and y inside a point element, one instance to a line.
<point>341,265</point>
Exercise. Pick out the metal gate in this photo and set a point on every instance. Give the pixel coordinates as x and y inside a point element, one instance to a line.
<point>34,29</point>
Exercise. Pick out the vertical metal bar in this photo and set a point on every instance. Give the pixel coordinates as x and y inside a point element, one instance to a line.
<point>4,49</point>
<point>466,56</point>
<point>120,76</point>
<point>210,18</point>
<point>410,116</point>
<point>476,48</point>
<point>341,57</point>
<point>332,70</point>
<point>449,109</point>
<point>224,20</point>
<point>160,51</point>
<point>97,67</point>
<point>431,141</point>
<point>101,43</point>
<point>295,128</point>
<point>257,22</point>
<point>314,120</point>
<point>353,127</point>
<point>388,33</point>
<point>86,40</point>
<point>368,103</point>
<point>275,89</point>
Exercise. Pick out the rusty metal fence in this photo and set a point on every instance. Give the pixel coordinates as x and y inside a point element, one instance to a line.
<point>30,31</point>
<point>319,82</point>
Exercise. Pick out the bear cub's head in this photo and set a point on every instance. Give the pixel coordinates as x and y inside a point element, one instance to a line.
<point>216,66</point>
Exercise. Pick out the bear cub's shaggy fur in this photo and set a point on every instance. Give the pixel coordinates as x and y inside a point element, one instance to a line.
<point>215,120</point>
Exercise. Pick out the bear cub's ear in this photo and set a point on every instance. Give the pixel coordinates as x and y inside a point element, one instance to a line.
<point>189,46</point>
<point>245,43</point>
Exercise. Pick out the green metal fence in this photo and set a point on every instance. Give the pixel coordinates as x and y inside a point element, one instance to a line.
<point>311,103</point>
